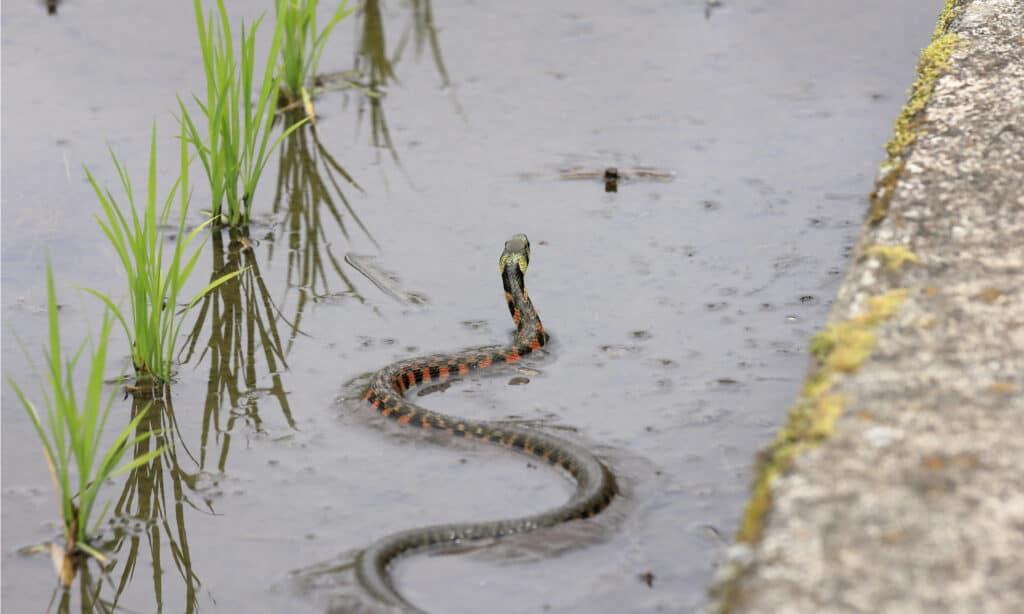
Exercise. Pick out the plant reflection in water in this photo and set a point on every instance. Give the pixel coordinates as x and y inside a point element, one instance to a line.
<point>309,188</point>
<point>148,520</point>
<point>374,67</point>
<point>241,318</point>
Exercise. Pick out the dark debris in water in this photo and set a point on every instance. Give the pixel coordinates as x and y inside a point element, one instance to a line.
<point>647,578</point>
<point>612,175</point>
<point>386,281</point>
<point>618,351</point>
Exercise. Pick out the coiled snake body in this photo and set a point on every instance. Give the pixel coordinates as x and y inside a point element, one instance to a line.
<point>595,486</point>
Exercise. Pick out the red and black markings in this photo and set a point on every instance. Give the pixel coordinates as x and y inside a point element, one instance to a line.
<point>517,317</point>
<point>408,376</point>
<point>388,401</point>
<point>594,489</point>
<point>389,385</point>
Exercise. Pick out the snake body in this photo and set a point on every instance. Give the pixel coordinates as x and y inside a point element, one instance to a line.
<point>595,485</point>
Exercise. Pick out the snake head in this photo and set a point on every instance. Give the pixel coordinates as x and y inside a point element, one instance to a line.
<point>517,251</point>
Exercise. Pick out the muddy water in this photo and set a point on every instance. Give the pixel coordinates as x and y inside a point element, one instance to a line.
<point>679,309</point>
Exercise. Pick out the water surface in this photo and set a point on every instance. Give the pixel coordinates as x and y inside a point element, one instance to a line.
<point>679,309</point>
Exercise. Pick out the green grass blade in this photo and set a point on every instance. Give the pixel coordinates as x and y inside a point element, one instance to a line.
<point>112,307</point>
<point>71,432</point>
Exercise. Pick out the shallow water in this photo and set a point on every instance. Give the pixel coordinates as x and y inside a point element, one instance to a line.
<point>679,309</point>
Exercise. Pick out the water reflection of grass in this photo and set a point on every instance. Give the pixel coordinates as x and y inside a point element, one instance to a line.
<point>241,317</point>
<point>309,188</point>
<point>378,66</point>
<point>372,61</point>
<point>89,596</point>
<point>422,31</point>
<point>149,490</point>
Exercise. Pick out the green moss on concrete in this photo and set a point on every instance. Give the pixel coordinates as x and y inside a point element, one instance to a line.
<point>840,348</point>
<point>949,12</point>
<point>934,61</point>
<point>892,256</point>
<point>884,188</point>
<point>853,344</point>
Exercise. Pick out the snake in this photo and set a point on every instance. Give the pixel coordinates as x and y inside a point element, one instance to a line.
<point>595,484</point>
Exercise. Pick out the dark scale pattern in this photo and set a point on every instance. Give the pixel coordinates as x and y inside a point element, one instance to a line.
<point>595,486</point>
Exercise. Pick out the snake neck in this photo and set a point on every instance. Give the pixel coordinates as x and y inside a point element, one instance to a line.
<point>529,330</point>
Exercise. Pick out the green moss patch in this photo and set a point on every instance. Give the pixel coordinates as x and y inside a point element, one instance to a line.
<point>934,61</point>
<point>840,348</point>
<point>893,256</point>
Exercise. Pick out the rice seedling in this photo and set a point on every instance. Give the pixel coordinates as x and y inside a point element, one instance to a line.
<point>236,145</point>
<point>302,45</point>
<point>71,431</point>
<point>152,324</point>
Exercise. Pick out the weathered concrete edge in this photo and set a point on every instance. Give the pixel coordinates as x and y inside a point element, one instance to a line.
<point>845,342</point>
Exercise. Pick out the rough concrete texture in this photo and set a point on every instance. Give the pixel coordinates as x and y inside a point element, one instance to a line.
<point>915,500</point>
